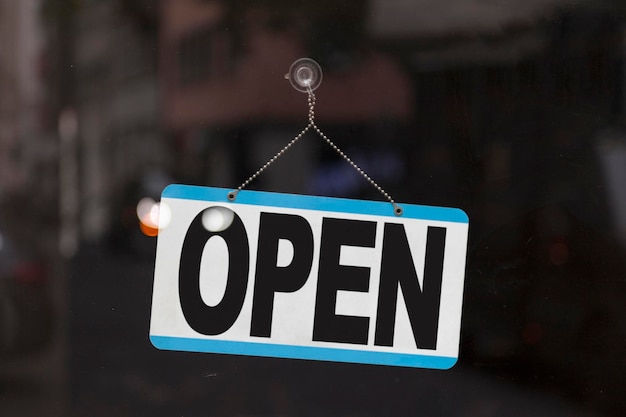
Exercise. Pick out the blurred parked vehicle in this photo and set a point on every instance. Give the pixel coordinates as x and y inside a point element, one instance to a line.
<point>26,314</point>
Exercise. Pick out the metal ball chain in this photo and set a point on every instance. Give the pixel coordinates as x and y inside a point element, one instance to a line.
<point>233,194</point>
<point>311,100</point>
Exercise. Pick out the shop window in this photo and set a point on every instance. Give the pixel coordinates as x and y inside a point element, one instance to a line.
<point>202,55</point>
<point>194,55</point>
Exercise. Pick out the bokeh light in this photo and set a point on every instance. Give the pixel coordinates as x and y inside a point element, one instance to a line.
<point>153,215</point>
<point>217,219</point>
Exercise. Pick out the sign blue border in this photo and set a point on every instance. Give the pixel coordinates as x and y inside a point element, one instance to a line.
<point>307,202</point>
<point>302,352</point>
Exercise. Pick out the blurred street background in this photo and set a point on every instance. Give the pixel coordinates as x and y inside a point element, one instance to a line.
<point>513,111</point>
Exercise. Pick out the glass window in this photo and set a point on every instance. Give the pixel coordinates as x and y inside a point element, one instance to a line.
<point>511,111</point>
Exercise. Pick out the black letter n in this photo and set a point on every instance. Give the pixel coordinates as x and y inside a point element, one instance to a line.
<point>397,267</point>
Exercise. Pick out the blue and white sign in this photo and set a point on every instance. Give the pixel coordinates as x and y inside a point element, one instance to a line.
<point>294,276</point>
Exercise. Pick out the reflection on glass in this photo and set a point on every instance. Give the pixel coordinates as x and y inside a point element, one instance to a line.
<point>152,216</point>
<point>217,219</point>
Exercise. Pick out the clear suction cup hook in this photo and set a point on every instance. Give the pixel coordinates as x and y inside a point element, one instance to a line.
<point>305,74</point>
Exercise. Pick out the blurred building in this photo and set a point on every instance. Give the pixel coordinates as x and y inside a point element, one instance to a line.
<point>28,145</point>
<point>116,99</point>
<point>494,83</point>
<point>459,88</point>
<point>223,86</point>
<point>78,110</point>
<point>9,97</point>
<point>23,145</point>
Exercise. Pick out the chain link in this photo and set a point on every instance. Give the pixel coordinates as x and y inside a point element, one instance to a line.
<point>311,101</point>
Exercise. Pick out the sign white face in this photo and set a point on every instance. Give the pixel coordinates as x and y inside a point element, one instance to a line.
<point>305,277</point>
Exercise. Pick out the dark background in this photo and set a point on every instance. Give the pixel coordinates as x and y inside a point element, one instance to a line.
<point>512,112</point>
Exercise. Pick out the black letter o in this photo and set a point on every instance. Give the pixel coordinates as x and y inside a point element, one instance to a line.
<point>201,317</point>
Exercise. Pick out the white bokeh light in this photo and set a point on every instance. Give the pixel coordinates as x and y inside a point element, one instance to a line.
<point>144,208</point>
<point>217,219</point>
<point>160,215</point>
<point>154,214</point>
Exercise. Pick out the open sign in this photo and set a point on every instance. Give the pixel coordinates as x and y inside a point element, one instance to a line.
<point>307,277</point>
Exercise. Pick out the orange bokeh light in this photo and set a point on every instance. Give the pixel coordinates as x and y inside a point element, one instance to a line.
<point>147,227</point>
